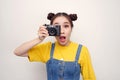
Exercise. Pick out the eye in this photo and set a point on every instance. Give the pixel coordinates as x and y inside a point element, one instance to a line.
<point>66,26</point>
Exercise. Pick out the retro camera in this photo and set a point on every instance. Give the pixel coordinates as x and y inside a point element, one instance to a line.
<point>53,30</point>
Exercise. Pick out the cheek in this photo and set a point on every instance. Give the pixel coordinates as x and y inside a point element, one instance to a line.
<point>68,32</point>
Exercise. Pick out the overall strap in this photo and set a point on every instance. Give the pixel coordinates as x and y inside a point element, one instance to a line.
<point>52,50</point>
<point>78,53</point>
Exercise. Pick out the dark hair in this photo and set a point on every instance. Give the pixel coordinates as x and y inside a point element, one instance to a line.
<point>70,17</point>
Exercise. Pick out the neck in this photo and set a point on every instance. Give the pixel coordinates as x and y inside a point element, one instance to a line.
<point>64,45</point>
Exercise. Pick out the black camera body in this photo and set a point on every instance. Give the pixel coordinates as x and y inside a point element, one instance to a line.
<point>53,30</point>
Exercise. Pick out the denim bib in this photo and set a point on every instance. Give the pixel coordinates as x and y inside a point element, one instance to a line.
<point>63,70</point>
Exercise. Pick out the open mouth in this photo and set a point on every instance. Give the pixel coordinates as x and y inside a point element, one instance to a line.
<point>62,38</point>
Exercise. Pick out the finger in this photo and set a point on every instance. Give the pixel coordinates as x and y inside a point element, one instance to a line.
<point>42,27</point>
<point>42,33</point>
<point>42,30</point>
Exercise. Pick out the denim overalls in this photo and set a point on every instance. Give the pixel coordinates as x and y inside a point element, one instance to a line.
<point>63,70</point>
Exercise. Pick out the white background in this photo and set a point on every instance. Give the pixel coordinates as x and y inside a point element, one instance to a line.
<point>97,27</point>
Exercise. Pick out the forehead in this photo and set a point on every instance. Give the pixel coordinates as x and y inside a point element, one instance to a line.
<point>61,19</point>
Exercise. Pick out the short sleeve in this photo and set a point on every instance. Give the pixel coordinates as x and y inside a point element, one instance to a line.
<point>40,52</point>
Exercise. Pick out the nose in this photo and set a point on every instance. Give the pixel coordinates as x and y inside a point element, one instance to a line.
<point>62,30</point>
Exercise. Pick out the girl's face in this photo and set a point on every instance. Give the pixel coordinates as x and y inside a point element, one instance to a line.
<point>64,38</point>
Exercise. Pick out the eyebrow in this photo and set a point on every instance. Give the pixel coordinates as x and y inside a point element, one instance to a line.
<point>56,23</point>
<point>64,23</point>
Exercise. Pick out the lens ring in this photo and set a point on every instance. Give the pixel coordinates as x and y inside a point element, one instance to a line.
<point>52,31</point>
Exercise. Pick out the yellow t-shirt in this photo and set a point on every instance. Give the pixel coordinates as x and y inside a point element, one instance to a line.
<point>41,53</point>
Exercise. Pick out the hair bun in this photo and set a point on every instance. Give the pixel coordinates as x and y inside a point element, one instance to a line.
<point>50,16</point>
<point>73,17</point>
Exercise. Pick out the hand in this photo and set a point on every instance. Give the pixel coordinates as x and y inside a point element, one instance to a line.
<point>42,33</point>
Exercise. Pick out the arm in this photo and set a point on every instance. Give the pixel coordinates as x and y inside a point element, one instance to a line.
<point>23,49</point>
<point>86,66</point>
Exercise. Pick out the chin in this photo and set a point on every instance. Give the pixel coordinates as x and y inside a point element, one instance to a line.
<point>63,43</point>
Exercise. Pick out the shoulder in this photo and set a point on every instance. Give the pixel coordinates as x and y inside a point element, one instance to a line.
<point>78,44</point>
<point>84,49</point>
<point>45,44</point>
<point>41,45</point>
<point>74,43</point>
<point>84,52</point>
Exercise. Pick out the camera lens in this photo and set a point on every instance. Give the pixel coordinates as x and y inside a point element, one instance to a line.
<point>52,31</point>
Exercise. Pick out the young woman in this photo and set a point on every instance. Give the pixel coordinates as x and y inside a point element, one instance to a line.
<point>64,59</point>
